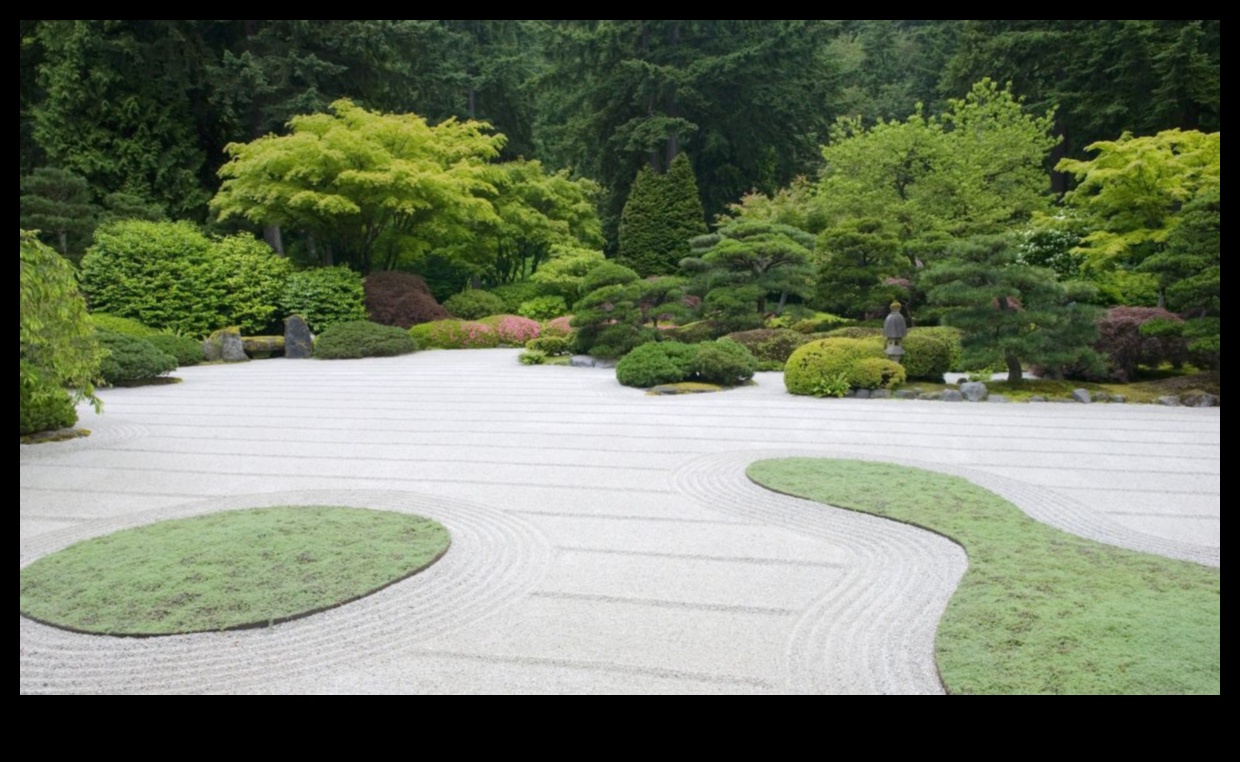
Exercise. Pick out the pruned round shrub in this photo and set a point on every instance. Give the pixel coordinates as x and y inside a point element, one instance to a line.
<point>853,332</point>
<point>611,340</point>
<point>454,334</point>
<point>185,350</point>
<point>127,326</point>
<point>723,362</point>
<point>532,357</point>
<point>607,274</point>
<point>772,346</point>
<point>362,338</point>
<point>664,362</point>
<point>931,352</point>
<point>254,280</point>
<point>401,300</point>
<point>821,362</point>
<point>43,405</point>
<point>543,308</point>
<point>513,330</point>
<point>129,358</point>
<point>473,304</point>
<point>561,326</point>
<point>324,296</point>
<point>514,295</point>
<point>875,373</point>
<point>551,346</point>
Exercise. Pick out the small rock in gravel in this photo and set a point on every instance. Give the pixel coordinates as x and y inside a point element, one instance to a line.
<point>997,398</point>
<point>951,395</point>
<point>880,394</point>
<point>862,394</point>
<point>1082,395</point>
<point>906,394</point>
<point>1169,400</point>
<point>973,391</point>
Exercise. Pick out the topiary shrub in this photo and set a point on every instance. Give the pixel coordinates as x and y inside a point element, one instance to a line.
<point>185,350</point>
<point>723,362</point>
<point>875,373</point>
<point>664,362</point>
<point>543,308</point>
<point>474,304</point>
<point>514,295</point>
<point>532,357</point>
<point>129,358</point>
<point>454,334</point>
<point>513,330</point>
<point>254,280</point>
<point>772,346</point>
<point>822,362</point>
<point>42,404</point>
<point>931,352</point>
<point>401,300</point>
<point>324,296</point>
<point>362,338</point>
<point>607,274</point>
<point>551,346</point>
<point>127,326</point>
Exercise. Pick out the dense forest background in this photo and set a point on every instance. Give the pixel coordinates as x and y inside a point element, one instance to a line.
<point>142,110</point>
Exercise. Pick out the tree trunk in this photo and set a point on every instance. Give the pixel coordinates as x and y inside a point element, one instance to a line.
<point>274,239</point>
<point>1013,366</point>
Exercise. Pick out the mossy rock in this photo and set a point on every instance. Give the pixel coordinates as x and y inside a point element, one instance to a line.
<point>225,345</point>
<point>684,387</point>
<point>262,347</point>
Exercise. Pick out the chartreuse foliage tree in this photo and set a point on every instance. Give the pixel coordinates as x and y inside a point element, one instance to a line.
<point>975,169</point>
<point>662,214</point>
<point>1132,193</point>
<point>1011,313</point>
<point>59,356</point>
<point>385,187</point>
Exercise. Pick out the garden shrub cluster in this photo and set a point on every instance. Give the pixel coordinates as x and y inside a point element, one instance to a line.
<point>473,304</point>
<point>823,366</point>
<point>853,332</point>
<point>185,350</point>
<point>127,326</point>
<point>401,299</point>
<point>695,332</point>
<point>513,330</point>
<point>129,358</point>
<point>543,308</point>
<point>454,334</point>
<point>551,346</point>
<point>324,296</point>
<point>561,326</point>
<point>772,346</point>
<point>362,338</point>
<point>43,405</point>
<point>668,362</point>
<point>931,352</point>
<point>514,295</point>
<point>1132,336</point>
<point>171,276</point>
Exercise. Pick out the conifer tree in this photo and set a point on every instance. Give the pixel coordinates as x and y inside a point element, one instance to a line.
<point>663,212</point>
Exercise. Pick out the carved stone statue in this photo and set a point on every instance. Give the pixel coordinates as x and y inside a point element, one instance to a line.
<point>895,329</point>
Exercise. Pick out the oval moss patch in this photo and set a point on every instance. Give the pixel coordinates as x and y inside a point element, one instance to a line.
<point>229,570</point>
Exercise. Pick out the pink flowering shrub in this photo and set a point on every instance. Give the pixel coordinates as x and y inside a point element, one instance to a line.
<point>454,334</point>
<point>561,326</point>
<point>513,330</point>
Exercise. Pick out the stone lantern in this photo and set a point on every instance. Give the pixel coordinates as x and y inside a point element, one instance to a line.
<point>895,329</point>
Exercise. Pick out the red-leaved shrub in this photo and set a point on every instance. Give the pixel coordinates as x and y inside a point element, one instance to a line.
<point>1126,346</point>
<point>401,299</point>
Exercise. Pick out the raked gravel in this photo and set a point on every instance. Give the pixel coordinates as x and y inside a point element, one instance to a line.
<point>604,541</point>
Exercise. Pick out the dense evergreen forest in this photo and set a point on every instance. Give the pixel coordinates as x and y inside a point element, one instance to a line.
<point>835,163</point>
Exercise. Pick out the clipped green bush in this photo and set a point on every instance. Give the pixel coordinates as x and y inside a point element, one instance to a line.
<point>127,326</point>
<point>875,373</point>
<point>42,404</point>
<point>822,362</point>
<point>551,346</point>
<point>324,296</point>
<point>474,304</point>
<point>931,352</point>
<point>816,323</point>
<point>362,338</point>
<point>254,280</point>
<point>514,295</point>
<point>723,362</point>
<point>664,362</point>
<point>772,346</point>
<point>129,358</point>
<point>532,357</point>
<point>185,350</point>
<point>454,334</point>
<point>543,308</point>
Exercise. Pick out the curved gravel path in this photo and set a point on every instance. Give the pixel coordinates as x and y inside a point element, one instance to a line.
<point>603,540</point>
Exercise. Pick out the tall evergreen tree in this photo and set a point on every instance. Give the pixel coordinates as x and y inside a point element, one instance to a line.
<point>663,212</point>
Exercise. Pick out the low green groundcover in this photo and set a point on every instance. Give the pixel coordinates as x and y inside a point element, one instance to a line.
<point>1039,610</point>
<point>228,570</point>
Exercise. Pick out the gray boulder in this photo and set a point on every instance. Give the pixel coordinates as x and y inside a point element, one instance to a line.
<point>298,341</point>
<point>880,394</point>
<point>586,361</point>
<point>973,391</point>
<point>1170,400</point>
<point>225,344</point>
<point>997,398</point>
<point>1200,399</point>
<point>905,394</point>
<point>951,395</point>
<point>1082,395</point>
<point>862,394</point>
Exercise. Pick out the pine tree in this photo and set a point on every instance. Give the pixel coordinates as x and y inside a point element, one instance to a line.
<point>663,212</point>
